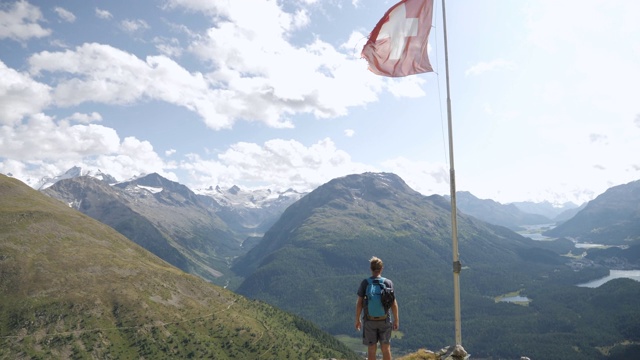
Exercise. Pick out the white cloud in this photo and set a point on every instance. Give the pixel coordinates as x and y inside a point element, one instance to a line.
<point>301,19</point>
<point>103,74</point>
<point>14,168</point>
<point>133,157</point>
<point>103,14</point>
<point>349,132</point>
<point>108,75</point>
<point>170,152</point>
<point>85,118</point>
<point>277,163</point>
<point>20,95</point>
<point>64,14</point>
<point>265,80</point>
<point>43,148</point>
<point>168,46</point>
<point>250,83</point>
<point>58,43</point>
<point>19,21</point>
<point>41,138</point>
<point>132,26</point>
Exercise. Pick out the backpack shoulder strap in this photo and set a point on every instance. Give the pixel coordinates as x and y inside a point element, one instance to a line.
<point>366,290</point>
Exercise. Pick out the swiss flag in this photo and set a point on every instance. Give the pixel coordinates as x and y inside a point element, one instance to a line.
<point>397,46</point>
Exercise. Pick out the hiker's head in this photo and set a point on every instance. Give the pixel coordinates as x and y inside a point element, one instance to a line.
<point>376,265</point>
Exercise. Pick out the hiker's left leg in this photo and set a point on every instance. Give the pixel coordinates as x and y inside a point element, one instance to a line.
<point>371,351</point>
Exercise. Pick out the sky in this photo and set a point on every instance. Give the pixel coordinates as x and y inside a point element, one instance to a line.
<point>545,95</point>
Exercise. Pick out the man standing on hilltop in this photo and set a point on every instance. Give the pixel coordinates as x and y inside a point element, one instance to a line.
<point>376,297</point>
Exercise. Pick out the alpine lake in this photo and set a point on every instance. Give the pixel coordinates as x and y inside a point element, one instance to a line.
<point>534,232</point>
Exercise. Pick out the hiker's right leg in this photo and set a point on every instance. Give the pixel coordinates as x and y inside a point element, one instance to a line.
<point>385,339</point>
<point>371,351</point>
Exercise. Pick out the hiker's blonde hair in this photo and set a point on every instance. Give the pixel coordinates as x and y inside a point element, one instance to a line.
<point>375,264</point>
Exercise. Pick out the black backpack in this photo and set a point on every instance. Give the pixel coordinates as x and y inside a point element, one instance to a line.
<point>387,297</point>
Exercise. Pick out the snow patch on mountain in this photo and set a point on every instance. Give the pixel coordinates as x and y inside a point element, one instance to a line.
<point>151,189</point>
<point>258,198</point>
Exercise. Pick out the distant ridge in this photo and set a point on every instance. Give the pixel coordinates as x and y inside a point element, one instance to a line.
<point>611,218</point>
<point>508,215</point>
<point>71,287</point>
<point>544,208</point>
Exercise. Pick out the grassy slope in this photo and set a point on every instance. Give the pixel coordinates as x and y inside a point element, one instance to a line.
<point>71,287</point>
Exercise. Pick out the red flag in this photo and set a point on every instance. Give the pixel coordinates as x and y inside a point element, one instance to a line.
<point>397,46</point>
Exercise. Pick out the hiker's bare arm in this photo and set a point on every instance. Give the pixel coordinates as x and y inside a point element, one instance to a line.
<point>358,311</point>
<point>396,317</point>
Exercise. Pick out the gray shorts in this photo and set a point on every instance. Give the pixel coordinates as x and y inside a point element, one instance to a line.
<point>374,331</point>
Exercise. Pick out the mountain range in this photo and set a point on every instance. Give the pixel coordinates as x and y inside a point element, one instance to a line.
<point>198,233</point>
<point>547,209</point>
<point>72,287</point>
<point>313,254</point>
<point>236,219</point>
<point>163,216</point>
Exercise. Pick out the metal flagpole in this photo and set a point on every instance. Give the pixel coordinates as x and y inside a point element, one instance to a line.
<point>457,266</point>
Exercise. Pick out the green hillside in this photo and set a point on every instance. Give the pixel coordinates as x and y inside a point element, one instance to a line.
<point>312,260</point>
<point>71,287</point>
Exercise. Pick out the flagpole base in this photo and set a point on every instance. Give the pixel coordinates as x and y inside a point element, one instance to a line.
<point>456,352</point>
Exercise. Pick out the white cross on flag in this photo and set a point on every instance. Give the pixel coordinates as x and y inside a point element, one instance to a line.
<point>397,46</point>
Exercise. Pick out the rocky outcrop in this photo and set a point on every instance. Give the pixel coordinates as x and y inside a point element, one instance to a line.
<point>456,352</point>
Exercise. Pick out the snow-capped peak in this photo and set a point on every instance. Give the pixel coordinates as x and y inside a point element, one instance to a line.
<point>74,172</point>
<point>258,198</point>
